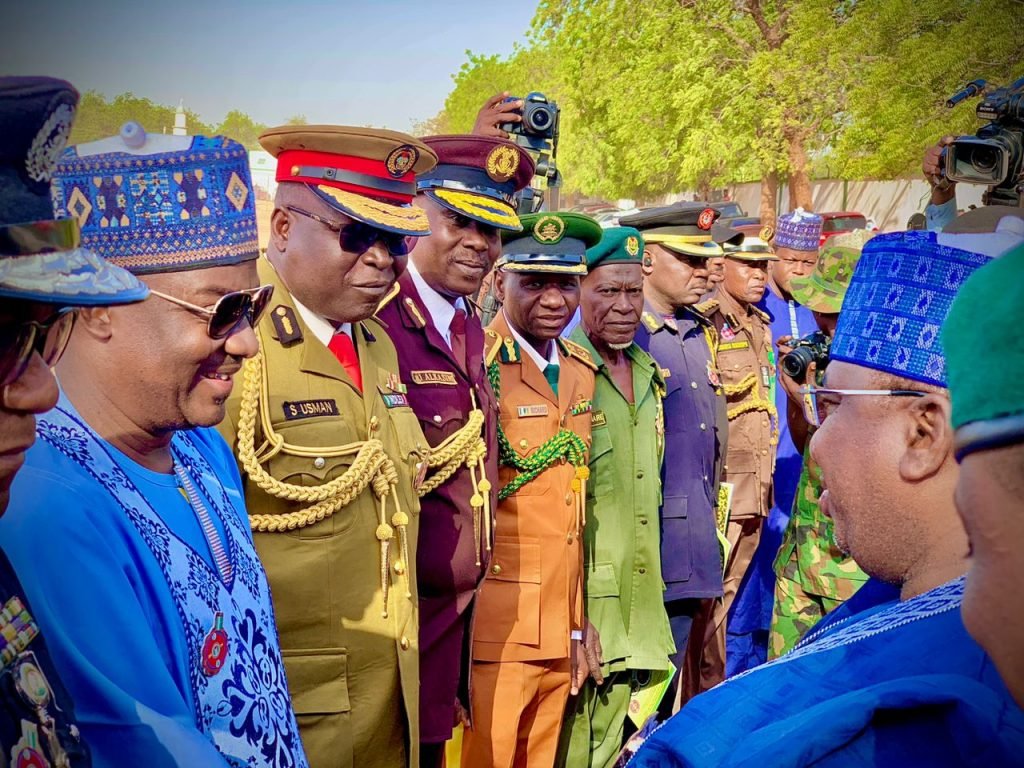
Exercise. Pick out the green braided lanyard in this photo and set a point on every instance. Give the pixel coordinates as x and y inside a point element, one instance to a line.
<point>565,445</point>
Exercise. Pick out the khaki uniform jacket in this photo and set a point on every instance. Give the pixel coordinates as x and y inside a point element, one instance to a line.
<point>746,365</point>
<point>352,673</point>
<point>532,596</point>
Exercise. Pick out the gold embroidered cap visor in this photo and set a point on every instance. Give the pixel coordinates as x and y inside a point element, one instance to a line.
<point>390,217</point>
<point>479,207</point>
<point>689,245</point>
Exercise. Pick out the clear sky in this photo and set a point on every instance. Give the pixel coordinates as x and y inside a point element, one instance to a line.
<point>386,63</point>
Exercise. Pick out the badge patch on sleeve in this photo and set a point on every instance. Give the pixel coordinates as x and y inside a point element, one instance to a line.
<point>446,378</point>
<point>598,419</point>
<point>307,409</point>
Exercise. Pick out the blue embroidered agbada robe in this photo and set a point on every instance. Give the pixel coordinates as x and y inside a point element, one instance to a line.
<point>896,684</point>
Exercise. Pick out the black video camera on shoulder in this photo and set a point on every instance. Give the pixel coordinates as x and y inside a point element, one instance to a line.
<point>995,155</point>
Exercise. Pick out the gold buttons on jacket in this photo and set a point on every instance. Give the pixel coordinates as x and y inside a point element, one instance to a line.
<point>524,443</point>
<point>374,423</point>
<point>496,569</point>
<point>319,462</point>
<point>399,567</point>
<point>437,418</point>
<point>404,642</point>
<point>693,385</point>
<point>568,499</point>
<point>570,539</point>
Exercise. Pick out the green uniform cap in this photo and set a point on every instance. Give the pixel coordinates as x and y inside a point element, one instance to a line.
<point>619,245</point>
<point>824,289</point>
<point>550,242</point>
<point>984,379</point>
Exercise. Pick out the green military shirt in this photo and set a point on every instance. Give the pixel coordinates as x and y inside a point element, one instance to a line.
<point>622,583</point>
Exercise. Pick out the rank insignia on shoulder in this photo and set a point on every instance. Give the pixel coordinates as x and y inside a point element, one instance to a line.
<point>528,411</point>
<point>650,321</point>
<point>598,419</point>
<point>445,378</point>
<point>575,350</point>
<point>665,372</point>
<point>491,346</point>
<point>706,307</point>
<point>582,405</point>
<point>286,325</point>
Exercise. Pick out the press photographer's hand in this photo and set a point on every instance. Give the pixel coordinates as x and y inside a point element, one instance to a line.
<point>496,111</point>
<point>943,190</point>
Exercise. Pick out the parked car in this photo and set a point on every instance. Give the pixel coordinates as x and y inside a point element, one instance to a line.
<point>837,222</point>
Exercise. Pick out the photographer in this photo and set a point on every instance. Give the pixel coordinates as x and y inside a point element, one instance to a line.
<point>813,576</point>
<point>941,209</point>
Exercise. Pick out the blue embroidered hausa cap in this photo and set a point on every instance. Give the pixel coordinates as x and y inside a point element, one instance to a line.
<point>41,258</point>
<point>799,230</point>
<point>898,298</point>
<point>157,203</point>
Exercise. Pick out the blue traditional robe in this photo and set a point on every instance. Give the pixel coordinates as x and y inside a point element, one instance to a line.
<point>124,585</point>
<point>896,684</point>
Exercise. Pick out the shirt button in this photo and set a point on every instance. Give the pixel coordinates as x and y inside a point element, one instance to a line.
<point>374,423</point>
<point>643,521</point>
<point>703,425</point>
<point>640,474</point>
<point>496,569</point>
<point>524,443</point>
<point>764,451</point>
<point>404,642</point>
<point>705,478</point>
<point>568,499</point>
<point>437,418</point>
<point>319,462</point>
<point>693,385</point>
<point>643,571</point>
<point>570,539</point>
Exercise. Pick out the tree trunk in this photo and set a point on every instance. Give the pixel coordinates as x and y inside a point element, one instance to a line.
<point>799,181</point>
<point>769,198</point>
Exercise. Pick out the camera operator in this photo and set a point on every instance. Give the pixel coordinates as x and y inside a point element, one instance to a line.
<point>496,111</point>
<point>941,208</point>
<point>813,576</point>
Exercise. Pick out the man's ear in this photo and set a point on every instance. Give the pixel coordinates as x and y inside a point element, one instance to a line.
<point>648,261</point>
<point>929,437</point>
<point>280,226</point>
<point>95,321</point>
<point>499,285</point>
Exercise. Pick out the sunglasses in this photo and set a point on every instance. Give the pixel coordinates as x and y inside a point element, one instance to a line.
<point>230,311</point>
<point>357,237</point>
<point>47,337</point>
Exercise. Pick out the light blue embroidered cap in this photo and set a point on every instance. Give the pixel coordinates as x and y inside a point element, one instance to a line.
<point>156,203</point>
<point>899,296</point>
<point>41,259</point>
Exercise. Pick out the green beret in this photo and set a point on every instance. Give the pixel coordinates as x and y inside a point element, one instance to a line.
<point>550,242</point>
<point>984,377</point>
<point>619,245</point>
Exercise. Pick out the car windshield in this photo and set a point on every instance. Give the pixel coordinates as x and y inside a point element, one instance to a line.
<point>843,223</point>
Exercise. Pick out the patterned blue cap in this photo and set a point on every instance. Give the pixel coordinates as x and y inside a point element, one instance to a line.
<point>187,207</point>
<point>898,298</point>
<point>799,230</point>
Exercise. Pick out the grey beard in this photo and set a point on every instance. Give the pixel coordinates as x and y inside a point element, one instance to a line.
<point>620,347</point>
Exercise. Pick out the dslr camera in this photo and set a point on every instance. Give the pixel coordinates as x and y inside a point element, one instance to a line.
<point>995,155</point>
<point>538,135</point>
<point>812,348</point>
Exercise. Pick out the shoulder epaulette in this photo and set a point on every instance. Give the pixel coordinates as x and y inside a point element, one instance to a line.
<point>575,350</point>
<point>395,290</point>
<point>765,317</point>
<point>706,307</point>
<point>509,350</point>
<point>650,321</point>
<point>286,325</point>
<point>492,343</point>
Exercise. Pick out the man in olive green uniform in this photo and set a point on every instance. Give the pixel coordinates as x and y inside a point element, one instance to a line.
<point>622,584</point>
<point>529,623</point>
<point>746,363</point>
<point>813,576</point>
<point>329,448</point>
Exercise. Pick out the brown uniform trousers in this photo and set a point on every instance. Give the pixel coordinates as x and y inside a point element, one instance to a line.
<point>353,673</point>
<point>532,597</point>
<point>747,371</point>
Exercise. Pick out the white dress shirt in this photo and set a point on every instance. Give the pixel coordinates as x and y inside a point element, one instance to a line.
<point>532,353</point>
<point>440,309</point>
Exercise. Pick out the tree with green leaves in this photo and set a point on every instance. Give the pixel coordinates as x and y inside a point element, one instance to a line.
<point>242,128</point>
<point>98,118</point>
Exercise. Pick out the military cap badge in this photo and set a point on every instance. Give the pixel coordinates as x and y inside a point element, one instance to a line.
<point>767,233</point>
<point>548,229</point>
<point>401,160</point>
<point>502,162</point>
<point>632,245</point>
<point>707,218</point>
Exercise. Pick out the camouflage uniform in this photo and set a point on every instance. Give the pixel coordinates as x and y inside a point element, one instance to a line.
<point>813,574</point>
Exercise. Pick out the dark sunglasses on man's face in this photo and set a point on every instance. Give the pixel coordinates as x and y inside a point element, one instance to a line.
<point>230,311</point>
<point>357,237</point>
<point>47,337</point>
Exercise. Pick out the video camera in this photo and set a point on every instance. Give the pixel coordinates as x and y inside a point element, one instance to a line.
<point>538,135</point>
<point>995,155</point>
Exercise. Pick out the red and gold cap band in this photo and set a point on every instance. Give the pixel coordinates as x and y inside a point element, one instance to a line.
<point>361,175</point>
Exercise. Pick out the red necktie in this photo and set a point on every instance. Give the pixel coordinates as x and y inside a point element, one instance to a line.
<point>343,348</point>
<point>457,332</point>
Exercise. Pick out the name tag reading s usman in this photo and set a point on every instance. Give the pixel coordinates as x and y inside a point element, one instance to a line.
<point>307,409</point>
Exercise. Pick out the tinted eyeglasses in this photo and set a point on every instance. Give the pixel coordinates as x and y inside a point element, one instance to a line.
<point>47,337</point>
<point>357,237</point>
<point>230,311</point>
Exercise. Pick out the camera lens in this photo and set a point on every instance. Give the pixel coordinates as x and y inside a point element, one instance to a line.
<point>984,160</point>
<point>539,119</point>
<point>795,363</point>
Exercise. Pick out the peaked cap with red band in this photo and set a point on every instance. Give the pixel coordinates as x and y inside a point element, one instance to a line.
<point>477,176</point>
<point>368,174</point>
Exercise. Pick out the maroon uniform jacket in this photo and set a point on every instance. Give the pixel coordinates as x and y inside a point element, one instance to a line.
<point>448,573</point>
